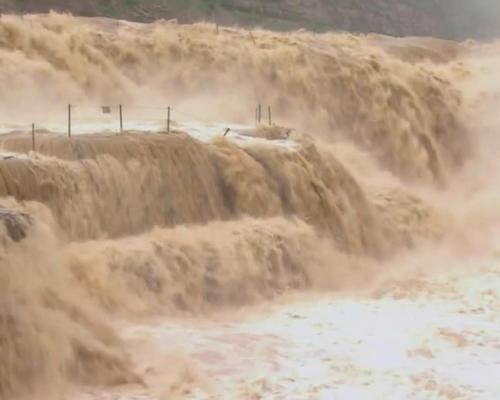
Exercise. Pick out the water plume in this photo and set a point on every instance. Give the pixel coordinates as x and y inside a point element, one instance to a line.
<point>50,334</point>
<point>409,115</point>
<point>143,224</point>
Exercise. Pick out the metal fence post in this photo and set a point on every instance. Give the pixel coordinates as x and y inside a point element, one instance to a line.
<point>33,136</point>
<point>121,119</point>
<point>69,120</point>
<point>168,119</point>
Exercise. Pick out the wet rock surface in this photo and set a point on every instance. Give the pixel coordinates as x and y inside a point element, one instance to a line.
<point>16,223</point>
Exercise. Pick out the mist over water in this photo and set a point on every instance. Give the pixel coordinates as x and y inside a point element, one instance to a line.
<point>127,257</point>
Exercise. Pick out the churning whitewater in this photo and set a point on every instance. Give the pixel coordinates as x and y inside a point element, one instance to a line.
<point>350,250</point>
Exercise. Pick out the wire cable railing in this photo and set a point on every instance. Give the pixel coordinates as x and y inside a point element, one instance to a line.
<point>119,119</point>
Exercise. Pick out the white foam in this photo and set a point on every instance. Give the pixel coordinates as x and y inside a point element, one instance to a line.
<point>8,155</point>
<point>241,134</point>
<point>443,343</point>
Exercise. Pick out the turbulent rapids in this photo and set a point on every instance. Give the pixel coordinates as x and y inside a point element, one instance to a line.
<point>120,249</point>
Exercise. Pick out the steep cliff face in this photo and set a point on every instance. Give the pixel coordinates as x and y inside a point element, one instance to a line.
<point>457,19</point>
